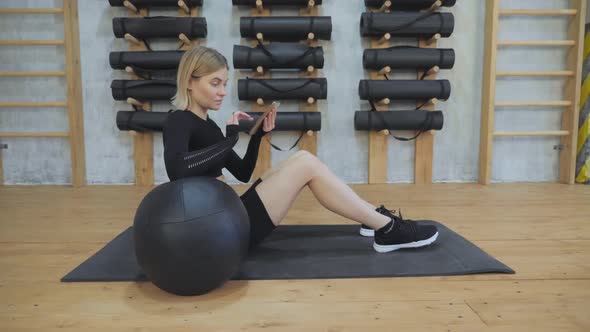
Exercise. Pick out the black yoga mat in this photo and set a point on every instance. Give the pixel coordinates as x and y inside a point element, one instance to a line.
<point>314,252</point>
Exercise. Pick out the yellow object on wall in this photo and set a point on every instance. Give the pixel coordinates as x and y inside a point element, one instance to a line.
<point>583,146</point>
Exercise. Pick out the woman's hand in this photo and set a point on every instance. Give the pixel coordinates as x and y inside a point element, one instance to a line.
<point>237,116</point>
<point>268,123</point>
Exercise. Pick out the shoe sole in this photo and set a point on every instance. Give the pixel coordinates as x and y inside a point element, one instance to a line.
<point>367,232</point>
<point>421,243</point>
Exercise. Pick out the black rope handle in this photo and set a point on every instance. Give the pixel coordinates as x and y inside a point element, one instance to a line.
<point>147,45</point>
<point>260,45</point>
<point>405,25</point>
<point>263,83</point>
<point>440,58</point>
<point>297,141</point>
<point>291,148</point>
<point>309,81</point>
<point>417,108</point>
<point>311,24</point>
<point>146,73</point>
<point>426,122</point>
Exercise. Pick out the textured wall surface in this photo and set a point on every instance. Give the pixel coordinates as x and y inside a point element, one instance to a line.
<point>109,152</point>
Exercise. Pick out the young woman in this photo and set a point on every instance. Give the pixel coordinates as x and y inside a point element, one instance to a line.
<point>195,146</point>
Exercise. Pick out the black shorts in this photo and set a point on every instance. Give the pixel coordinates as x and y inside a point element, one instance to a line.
<point>260,223</point>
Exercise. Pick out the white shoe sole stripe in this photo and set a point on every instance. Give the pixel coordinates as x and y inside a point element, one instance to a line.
<point>367,232</point>
<point>421,243</point>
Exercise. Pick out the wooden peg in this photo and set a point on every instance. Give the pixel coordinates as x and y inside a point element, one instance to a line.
<point>310,100</point>
<point>431,131</point>
<point>384,132</point>
<point>386,37</point>
<point>384,101</point>
<point>310,69</point>
<point>433,70</point>
<point>183,5</point>
<point>432,101</point>
<point>184,39</point>
<point>310,5</point>
<point>310,37</point>
<point>310,133</point>
<point>129,70</point>
<point>385,70</point>
<point>260,70</point>
<point>435,6</point>
<point>385,7</point>
<point>433,39</point>
<point>132,39</point>
<point>130,6</point>
<point>259,6</point>
<point>260,37</point>
<point>133,101</point>
<point>260,101</point>
<point>132,133</point>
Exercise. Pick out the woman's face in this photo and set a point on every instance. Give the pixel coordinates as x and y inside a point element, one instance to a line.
<point>208,91</point>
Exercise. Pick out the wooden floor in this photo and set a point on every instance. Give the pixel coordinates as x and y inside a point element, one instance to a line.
<point>542,231</point>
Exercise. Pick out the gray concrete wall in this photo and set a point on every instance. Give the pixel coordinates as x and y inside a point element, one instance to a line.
<point>109,152</point>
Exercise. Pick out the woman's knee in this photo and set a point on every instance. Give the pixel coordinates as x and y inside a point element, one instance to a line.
<point>297,159</point>
<point>299,154</point>
<point>308,161</point>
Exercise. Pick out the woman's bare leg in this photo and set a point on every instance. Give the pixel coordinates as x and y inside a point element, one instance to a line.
<point>280,187</point>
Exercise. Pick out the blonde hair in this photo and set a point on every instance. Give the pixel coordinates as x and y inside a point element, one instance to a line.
<point>196,62</point>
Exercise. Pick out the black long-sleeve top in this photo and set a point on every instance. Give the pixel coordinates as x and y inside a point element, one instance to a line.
<point>197,147</point>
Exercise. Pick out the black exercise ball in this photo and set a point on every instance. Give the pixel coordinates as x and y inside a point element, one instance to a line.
<point>191,235</point>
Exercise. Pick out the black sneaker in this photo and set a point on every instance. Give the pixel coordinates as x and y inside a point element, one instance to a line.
<point>404,234</point>
<point>368,231</point>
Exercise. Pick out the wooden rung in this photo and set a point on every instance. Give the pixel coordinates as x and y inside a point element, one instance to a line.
<point>29,104</point>
<point>538,12</point>
<point>539,73</point>
<point>32,73</point>
<point>536,103</point>
<point>55,134</point>
<point>532,133</point>
<point>31,11</point>
<point>31,42</point>
<point>538,43</point>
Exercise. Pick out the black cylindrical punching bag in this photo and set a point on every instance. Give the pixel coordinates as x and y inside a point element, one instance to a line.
<point>398,120</point>
<point>408,57</point>
<point>407,24</point>
<point>146,60</point>
<point>404,89</point>
<point>154,121</point>
<point>286,28</point>
<point>408,4</point>
<point>282,88</point>
<point>299,121</point>
<point>156,3</point>
<point>278,56</point>
<point>252,3</point>
<point>160,27</point>
<point>143,89</point>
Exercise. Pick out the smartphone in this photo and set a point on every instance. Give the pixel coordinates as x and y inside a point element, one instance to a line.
<point>254,129</point>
